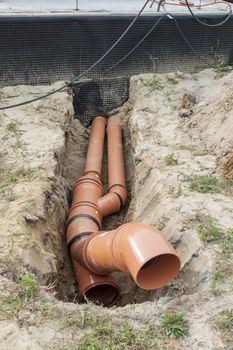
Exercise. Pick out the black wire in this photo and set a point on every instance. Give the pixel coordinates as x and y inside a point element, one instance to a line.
<point>207,24</point>
<point>188,43</point>
<point>159,5</point>
<point>86,71</point>
<point>136,46</point>
<point>196,17</point>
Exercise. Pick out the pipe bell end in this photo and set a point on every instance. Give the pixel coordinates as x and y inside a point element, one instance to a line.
<point>99,289</point>
<point>147,255</point>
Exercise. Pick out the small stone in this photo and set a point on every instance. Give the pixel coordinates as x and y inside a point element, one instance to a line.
<point>31,219</point>
<point>185,113</point>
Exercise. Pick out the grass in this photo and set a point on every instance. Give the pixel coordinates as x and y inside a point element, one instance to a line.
<point>105,335</point>
<point>225,320</point>
<point>29,285</point>
<point>154,61</point>
<point>6,184</point>
<point>12,127</point>
<point>171,160</point>
<point>208,184</point>
<point>14,302</point>
<point>159,84</point>
<point>9,305</point>
<point>209,230</point>
<point>174,325</point>
<point>227,244</point>
<point>218,277</point>
<point>8,180</point>
<point>155,83</point>
<point>220,66</point>
<point>185,147</point>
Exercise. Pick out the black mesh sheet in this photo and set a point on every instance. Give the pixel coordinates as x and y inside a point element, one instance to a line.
<point>44,49</point>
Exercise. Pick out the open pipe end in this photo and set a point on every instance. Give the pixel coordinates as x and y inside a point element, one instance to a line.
<point>158,271</point>
<point>102,293</point>
<point>146,254</point>
<point>99,289</point>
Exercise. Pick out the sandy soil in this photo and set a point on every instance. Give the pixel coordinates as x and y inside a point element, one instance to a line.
<point>176,126</point>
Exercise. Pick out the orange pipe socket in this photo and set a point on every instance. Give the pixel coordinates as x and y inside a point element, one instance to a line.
<point>115,200</point>
<point>136,248</point>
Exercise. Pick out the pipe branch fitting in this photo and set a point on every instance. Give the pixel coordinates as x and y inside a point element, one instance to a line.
<point>136,248</point>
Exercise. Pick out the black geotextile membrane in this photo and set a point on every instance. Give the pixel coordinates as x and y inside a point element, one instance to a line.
<point>44,49</point>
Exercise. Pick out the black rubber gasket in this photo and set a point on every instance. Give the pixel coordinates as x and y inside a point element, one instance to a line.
<point>120,199</point>
<point>77,238</point>
<point>83,216</point>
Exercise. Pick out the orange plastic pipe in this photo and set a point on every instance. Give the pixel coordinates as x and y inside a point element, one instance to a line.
<point>115,200</point>
<point>96,146</point>
<point>85,217</point>
<point>136,248</point>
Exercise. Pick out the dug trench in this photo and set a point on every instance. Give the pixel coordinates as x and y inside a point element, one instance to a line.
<point>178,169</point>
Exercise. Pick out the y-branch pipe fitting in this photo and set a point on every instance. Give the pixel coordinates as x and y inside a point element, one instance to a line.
<point>85,218</point>
<point>136,248</point>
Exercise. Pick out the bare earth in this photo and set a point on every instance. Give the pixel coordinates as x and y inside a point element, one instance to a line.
<point>176,126</point>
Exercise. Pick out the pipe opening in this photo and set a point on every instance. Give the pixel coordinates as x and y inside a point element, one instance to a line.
<point>150,263</point>
<point>156,194</point>
<point>158,271</point>
<point>103,294</point>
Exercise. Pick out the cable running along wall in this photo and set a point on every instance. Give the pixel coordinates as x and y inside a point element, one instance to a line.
<point>44,49</point>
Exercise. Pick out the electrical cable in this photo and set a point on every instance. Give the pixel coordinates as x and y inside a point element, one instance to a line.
<point>83,73</point>
<point>196,17</point>
<point>184,37</point>
<point>160,4</point>
<point>190,46</point>
<point>136,46</point>
<point>188,43</point>
<point>207,24</point>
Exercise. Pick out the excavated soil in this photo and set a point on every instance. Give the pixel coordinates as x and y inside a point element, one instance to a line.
<point>177,127</point>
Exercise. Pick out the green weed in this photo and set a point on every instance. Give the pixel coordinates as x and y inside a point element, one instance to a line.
<point>220,65</point>
<point>29,285</point>
<point>218,277</point>
<point>174,325</point>
<point>154,61</point>
<point>171,160</point>
<point>12,127</point>
<point>225,320</point>
<point>209,230</point>
<point>9,304</point>
<point>106,335</point>
<point>155,83</point>
<point>208,184</point>
<point>185,147</point>
<point>227,244</point>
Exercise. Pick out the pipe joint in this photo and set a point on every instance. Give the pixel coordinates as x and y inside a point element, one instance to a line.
<point>121,191</point>
<point>77,238</point>
<point>136,248</point>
